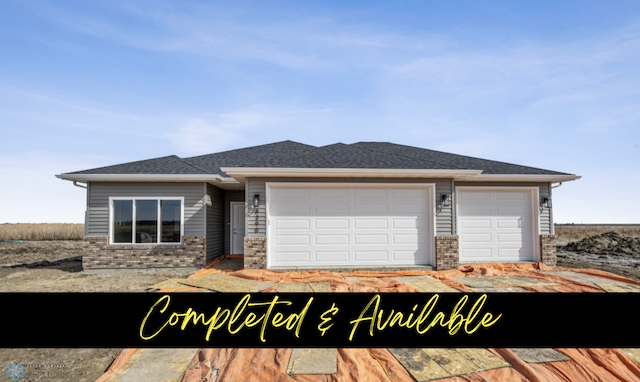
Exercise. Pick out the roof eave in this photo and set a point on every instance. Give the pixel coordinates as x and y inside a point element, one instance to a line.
<point>84,178</point>
<point>547,178</point>
<point>246,172</point>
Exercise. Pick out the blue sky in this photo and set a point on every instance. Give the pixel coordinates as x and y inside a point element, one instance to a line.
<point>550,84</point>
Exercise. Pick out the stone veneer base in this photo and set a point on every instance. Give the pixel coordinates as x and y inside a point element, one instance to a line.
<point>99,254</point>
<point>447,256</point>
<point>255,253</point>
<point>548,250</point>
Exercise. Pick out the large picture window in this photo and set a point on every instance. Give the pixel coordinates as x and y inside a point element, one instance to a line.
<point>146,221</point>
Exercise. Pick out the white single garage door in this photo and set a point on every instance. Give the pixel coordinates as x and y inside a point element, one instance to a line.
<point>322,225</point>
<point>497,225</point>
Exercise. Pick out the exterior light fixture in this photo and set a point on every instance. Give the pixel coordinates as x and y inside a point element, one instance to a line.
<point>256,200</point>
<point>546,202</point>
<point>445,200</point>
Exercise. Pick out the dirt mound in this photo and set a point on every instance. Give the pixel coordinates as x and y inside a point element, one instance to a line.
<point>608,243</point>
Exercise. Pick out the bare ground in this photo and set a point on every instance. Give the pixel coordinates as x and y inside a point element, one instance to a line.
<point>56,266</point>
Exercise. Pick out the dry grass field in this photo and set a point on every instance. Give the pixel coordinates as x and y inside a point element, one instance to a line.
<point>68,231</point>
<point>41,231</point>
<point>574,232</point>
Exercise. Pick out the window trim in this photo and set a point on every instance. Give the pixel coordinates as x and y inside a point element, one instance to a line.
<point>133,226</point>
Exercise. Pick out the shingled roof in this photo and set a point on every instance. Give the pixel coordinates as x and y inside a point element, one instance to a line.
<point>289,154</point>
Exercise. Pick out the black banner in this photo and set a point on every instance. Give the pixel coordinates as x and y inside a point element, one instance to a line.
<point>319,320</point>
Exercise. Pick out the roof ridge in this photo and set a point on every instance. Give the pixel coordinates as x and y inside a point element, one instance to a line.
<point>185,161</point>
<point>250,147</point>
<point>409,157</point>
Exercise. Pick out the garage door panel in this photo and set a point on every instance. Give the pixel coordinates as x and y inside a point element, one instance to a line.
<point>293,257</point>
<point>477,238</point>
<point>509,254</point>
<point>380,193</point>
<point>371,239</point>
<point>293,239</point>
<point>408,224</point>
<point>332,239</point>
<point>291,195</point>
<point>292,209</point>
<point>510,238</point>
<point>370,224</point>
<point>350,225</point>
<point>415,194</point>
<point>330,193</point>
<point>362,209</point>
<point>507,196</point>
<point>477,223</point>
<point>474,197</point>
<point>509,223</point>
<point>475,210</point>
<point>408,256</point>
<point>371,256</point>
<point>405,239</point>
<point>477,254</point>
<point>517,210</point>
<point>328,224</point>
<point>501,230</point>
<point>406,209</point>
<point>337,257</point>
<point>322,209</point>
<point>300,224</point>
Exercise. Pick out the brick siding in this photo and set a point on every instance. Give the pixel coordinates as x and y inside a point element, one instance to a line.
<point>548,249</point>
<point>99,254</point>
<point>255,253</point>
<point>447,256</point>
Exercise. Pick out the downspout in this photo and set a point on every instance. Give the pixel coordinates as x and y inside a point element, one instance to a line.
<point>75,183</point>
<point>558,185</point>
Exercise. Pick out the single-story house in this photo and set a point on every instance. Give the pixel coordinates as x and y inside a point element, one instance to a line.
<point>289,204</point>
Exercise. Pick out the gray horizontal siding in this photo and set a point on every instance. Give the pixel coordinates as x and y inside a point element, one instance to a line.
<point>215,223</point>
<point>445,216</point>
<point>545,219</point>
<point>98,203</point>
<point>256,221</point>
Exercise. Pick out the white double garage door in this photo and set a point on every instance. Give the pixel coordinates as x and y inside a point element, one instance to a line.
<point>329,225</point>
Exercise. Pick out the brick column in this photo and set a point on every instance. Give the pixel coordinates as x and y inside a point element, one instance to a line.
<point>548,249</point>
<point>255,253</point>
<point>447,256</point>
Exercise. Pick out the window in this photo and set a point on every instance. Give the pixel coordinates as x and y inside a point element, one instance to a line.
<point>146,221</point>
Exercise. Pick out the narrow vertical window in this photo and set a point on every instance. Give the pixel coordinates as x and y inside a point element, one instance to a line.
<point>146,221</point>
<point>122,221</point>
<point>170,213</point>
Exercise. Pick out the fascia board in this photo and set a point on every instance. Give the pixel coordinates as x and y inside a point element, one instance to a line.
<point>521,178</point>
<point>145,178</point>
<point>243,172</point>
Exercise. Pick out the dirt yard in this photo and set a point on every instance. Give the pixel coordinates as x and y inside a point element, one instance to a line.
<point>609,251</point>
<point>55,266</point>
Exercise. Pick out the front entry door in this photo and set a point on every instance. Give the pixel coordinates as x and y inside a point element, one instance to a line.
<point>237,227</point>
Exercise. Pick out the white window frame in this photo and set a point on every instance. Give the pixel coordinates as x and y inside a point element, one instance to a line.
<point>133,226</point>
